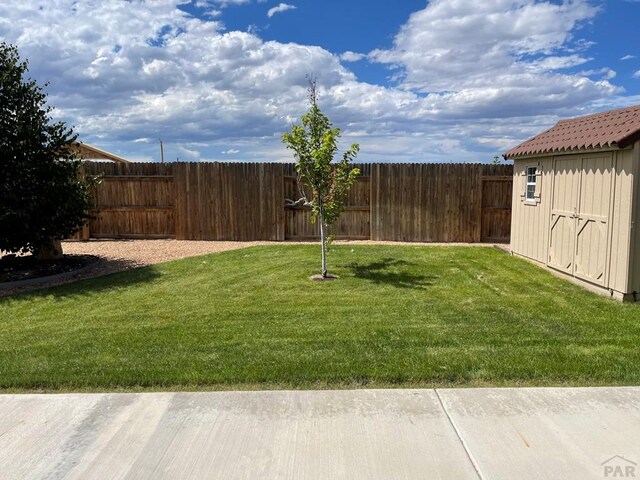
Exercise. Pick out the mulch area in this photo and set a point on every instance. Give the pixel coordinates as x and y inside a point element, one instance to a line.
<point>18,268</point>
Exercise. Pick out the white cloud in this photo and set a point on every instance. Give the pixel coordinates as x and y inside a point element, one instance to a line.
<point>605,73</point>
<point>212,13</point>
<point>230,151</point>
<point>189,153</point>
<point>636,74</point>
<point>282,7</point>
<point>198,83</point>
<point>628,57</point>
<point>555,63</point>
<point>221,3</point>
<point>208,4</point>
<point>350,56</point>
<point>505,54</point>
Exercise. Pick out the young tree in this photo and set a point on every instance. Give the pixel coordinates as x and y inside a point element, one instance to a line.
<point>43,199</point>
<point>323,183</point>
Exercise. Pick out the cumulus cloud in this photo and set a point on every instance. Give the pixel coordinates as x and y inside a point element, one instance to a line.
<point>472,79</point>
<point>636,74</point>
<point>605,73</point>
<point>172,74</point>
<point>282,7</point>
<point>472,57</point>
<point>220,3</point>
<point>212,13</point>
<point>189,153</point>
<point>214,7</point>
<point>350,56</point>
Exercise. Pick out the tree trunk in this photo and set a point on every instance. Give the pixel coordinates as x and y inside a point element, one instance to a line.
<point>323,238</point>
<point>50,250</point>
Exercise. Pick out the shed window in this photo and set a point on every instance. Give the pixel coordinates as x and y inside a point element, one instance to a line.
<point>531,183</point>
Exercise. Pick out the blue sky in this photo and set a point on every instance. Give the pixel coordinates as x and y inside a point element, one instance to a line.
<point>410,81</point>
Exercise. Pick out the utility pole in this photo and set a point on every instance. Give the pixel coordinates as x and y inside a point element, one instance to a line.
<point>161,151</point>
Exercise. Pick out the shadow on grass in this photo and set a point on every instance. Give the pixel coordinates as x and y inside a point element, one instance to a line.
<point>107,274</point>
<point>393,272</point>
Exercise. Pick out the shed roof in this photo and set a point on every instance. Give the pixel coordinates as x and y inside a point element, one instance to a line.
<point>92,152</point>
<point>614,128</point>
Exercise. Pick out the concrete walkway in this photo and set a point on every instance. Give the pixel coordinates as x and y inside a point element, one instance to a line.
<point>363,434</point>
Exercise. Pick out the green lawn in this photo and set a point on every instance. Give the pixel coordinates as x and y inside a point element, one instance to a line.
<point>398,316</point>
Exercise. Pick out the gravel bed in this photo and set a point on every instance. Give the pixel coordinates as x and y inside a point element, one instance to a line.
<point>147,252</point>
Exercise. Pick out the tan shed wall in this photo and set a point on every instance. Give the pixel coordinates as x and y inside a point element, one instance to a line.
<point>621,221</point>
<point>530,222</point>
<point>634,273</point>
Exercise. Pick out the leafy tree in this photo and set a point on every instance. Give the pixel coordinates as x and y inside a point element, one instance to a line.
<point>43,198</point>
<point>323,183</point>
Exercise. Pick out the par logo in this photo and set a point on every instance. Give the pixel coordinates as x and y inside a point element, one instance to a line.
<point>619,467</point>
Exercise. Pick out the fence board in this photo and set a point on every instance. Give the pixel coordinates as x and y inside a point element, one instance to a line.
<point>426,202</point>
<point>133,200</point>
<point>229,201</point>
<point>353,223</point>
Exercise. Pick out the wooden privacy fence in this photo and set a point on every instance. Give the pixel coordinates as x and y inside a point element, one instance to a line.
<point>441,202</point>
<point>354,223</point>
<point>246,201</point>
<point>134,200</point>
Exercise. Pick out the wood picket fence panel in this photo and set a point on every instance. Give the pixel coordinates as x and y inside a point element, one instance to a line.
<point>247,201</point>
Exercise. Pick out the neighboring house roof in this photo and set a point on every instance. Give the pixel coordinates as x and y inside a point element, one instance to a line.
<point>89,152</point>
<point>615,128</point>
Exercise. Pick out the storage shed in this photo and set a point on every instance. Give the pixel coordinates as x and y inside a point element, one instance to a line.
<point>576,189</point>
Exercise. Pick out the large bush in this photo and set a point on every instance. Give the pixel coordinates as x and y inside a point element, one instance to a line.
<point>42,197</point>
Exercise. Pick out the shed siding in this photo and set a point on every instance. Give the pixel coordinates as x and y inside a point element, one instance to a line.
<point>530,222</point>
<point>621,221</point>
<point>634,274</point>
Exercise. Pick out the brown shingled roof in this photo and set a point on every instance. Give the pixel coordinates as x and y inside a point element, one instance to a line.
<point>620,127</point>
